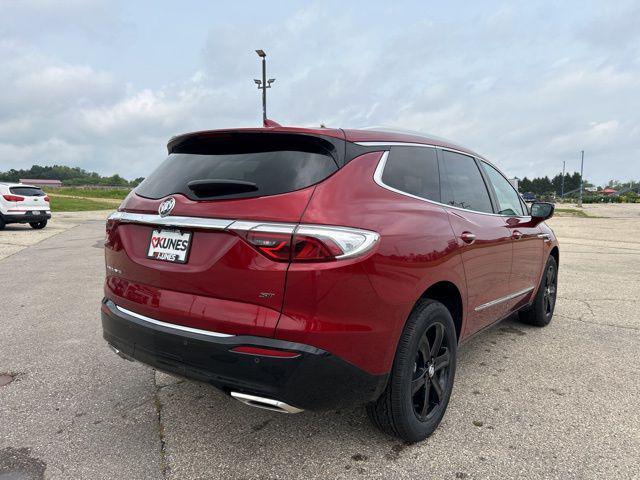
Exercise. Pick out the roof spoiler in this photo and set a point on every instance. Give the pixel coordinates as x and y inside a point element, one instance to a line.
<point>268,123</point>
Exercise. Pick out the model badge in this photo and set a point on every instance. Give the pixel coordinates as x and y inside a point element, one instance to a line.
<point>166,207</point>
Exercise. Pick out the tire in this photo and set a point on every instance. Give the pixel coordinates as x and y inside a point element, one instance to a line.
<point>400,413</point>
<point>38,225</point>
<point>540,313</point>
<point>2,224</point>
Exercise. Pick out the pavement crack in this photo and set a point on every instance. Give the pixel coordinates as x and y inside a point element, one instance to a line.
<point>164,466</point>
<point>614,325</point>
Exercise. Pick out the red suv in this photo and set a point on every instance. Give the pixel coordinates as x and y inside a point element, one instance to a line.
<point>300,268</point>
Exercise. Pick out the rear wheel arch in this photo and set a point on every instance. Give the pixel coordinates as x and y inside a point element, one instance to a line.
<point>555,253</point>
<point>449,295</point>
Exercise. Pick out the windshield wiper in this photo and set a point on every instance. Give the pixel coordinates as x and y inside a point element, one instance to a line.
<point>214,187</point>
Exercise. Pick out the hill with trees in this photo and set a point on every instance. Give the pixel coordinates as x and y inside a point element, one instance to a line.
<point>70,176</point>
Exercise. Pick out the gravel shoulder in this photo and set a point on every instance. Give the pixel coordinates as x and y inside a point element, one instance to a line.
<point>17,236</point>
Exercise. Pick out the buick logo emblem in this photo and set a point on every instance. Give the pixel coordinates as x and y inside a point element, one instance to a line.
<point>166,207</point>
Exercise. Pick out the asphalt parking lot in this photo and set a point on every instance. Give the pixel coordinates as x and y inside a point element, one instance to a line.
<point>560,402</point>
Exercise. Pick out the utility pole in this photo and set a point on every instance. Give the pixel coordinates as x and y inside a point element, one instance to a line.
<point>562,189</point>
<point>581,168</point>
<point>264,84</point>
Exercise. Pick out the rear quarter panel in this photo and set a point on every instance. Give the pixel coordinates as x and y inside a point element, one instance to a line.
<point>357,308</point>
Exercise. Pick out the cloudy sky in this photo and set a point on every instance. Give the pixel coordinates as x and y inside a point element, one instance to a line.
<point>104,84</point>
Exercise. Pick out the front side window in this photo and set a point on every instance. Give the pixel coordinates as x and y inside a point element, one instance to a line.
<point>508,199</point>
<point>413,170</point>
<point>462,183</point>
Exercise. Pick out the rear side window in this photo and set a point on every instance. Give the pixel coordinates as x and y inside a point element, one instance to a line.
<point>242,166</point>
<point>27,191</point>
<point>413,170</point>
<point>508,199</point>
<point>462,183</point>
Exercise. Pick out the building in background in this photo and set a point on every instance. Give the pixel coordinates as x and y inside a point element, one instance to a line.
<point>39,182</point>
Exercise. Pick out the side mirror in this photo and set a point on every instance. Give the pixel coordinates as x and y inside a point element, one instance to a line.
<point>541,211</point>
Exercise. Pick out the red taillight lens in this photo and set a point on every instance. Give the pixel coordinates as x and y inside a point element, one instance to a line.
<point>13,198</point>
<point>276,246</point>
<point>46,199</point>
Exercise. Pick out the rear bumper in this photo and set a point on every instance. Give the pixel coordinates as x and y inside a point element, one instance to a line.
<point>312,380</point>
<point>25,217</point>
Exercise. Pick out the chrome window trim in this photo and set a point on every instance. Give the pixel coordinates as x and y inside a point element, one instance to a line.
<point>377,176</point>
<point>172,325</point>
<point>391,144</point>
<point>503,299</point>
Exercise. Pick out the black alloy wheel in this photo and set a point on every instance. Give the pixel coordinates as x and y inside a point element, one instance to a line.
<point>550,290</point>
<point>540,312</point>
<point>430,372</point>
<point>421,379</point>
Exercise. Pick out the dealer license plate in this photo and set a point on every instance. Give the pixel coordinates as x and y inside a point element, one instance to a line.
<point>169,246</point>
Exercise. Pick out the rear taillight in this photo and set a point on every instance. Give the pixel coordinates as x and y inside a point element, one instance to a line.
<point>13,198</point>
<point>306,243</point>
<point>276,246</point>
<point>46,199</point>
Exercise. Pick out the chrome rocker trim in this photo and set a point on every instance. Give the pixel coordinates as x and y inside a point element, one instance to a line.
<point>503,299</point>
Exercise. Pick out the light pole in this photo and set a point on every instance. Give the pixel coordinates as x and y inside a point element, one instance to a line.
<point>562,189</point>
<point>581,167</point>
<point>264,84</point>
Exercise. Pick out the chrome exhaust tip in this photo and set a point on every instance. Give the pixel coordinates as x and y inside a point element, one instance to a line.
<point>119,353</point>
<point>265,403</point>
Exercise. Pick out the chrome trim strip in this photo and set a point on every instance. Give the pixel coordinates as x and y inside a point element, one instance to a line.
<point>391,144</point>
<point>545,236</point>
<point>262,226</point>
<point>425,145</point>
<point>377,177</point>
<point>503,299</point>
<point>370,237</point>
<point>171,221</point>
<point>265,403</point>
<point>172,325</point>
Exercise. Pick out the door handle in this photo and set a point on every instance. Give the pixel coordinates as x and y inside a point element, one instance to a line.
<point>516,235</point>
<point>468,237</point>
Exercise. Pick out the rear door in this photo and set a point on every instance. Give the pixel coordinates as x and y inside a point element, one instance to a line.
<point>483,236</point>
<point>228,281</point>
<point>527,243</point>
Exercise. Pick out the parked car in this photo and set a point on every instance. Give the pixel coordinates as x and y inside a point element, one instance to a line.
<point>301,269</point>
<point>20,203</point>
<point>529,197</point>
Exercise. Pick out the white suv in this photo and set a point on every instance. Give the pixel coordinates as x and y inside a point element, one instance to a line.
<point>21,203</point>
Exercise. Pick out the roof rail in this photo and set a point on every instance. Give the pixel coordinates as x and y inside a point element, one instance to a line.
<point>383,128</point>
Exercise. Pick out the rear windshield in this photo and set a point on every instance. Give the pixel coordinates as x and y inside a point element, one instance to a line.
<point>27,191</point>
<point>242,167</point>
